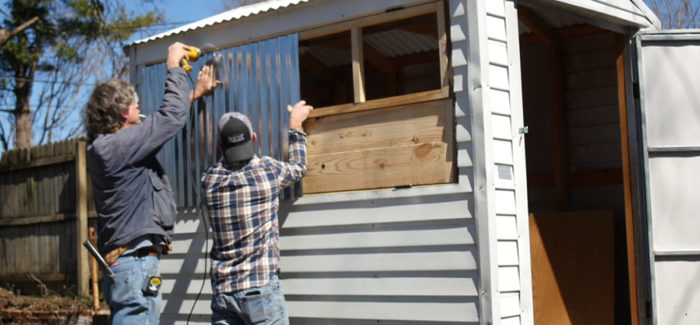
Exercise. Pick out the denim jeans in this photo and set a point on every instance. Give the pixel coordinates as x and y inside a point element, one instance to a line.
<point>124,291</point>
<point>263,305</point>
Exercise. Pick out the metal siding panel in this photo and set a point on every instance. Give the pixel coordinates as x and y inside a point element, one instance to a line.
<point>496,27</point>
<point>456,259</point>
<point>502,152</point>
<point>498,77</point>
<point>249,91</point>
<point>675,122</point>
<point>508,252</point>
<point>365,237</point>
<point>498,52</point>
<point>672,164</point>
<point>507,227</point>
<point>403,286</point>
<point>508,278</point>
<point>501,127</point>
<point>495,8</point>
<point>510,304</point>
<point>380,211</point>
<point>674,208</point>
<point>437,311</point>
<point>500,101</point>
<point>677,283</point>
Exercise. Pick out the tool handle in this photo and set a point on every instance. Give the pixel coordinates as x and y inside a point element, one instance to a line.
<point>98,257</point>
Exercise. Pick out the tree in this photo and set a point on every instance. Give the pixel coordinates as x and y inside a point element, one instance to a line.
<point>68,47</point>
<point>676,14</point>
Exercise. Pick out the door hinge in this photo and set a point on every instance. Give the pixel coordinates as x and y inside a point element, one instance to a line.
<point>524,130</point>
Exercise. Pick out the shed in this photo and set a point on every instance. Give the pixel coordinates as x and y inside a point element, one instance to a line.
<point>470,161</point>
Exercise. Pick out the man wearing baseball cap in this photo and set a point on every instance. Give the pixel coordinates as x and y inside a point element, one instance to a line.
<point>241,193</point>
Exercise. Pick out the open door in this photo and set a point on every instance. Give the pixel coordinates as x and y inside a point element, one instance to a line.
<point>669,92</point>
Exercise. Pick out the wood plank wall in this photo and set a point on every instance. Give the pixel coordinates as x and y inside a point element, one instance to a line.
<point>592,124</point>
<point>37,217</point>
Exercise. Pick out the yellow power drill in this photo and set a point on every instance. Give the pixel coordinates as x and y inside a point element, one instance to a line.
<point>192,55</point>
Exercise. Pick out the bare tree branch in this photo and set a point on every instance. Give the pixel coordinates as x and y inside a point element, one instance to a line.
<point>6,36</point>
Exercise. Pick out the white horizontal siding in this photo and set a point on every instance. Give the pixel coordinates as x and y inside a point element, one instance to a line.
<point>440,311</point>
<point>456,260</point>
<point>404,286</point>
<point>454,235</point>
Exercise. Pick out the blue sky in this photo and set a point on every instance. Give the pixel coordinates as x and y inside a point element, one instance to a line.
<point>178,12</point>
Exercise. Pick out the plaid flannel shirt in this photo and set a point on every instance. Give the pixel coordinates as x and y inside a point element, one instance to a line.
<point>242,205</point>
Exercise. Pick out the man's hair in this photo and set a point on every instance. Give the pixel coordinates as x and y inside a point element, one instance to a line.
<point>103,112</point>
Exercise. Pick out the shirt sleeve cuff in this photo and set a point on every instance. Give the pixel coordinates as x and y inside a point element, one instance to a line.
<point>299,132</point>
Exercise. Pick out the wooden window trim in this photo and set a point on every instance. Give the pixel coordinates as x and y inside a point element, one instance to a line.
<point>355,27</point>
<point>381,103</point>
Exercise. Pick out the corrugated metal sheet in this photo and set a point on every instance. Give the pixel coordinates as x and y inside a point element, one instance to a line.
<point>238,13</point>
<point>259,80</point>
<point>394,43</point>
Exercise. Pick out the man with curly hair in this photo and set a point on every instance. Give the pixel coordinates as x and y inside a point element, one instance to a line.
<point>133,198</point>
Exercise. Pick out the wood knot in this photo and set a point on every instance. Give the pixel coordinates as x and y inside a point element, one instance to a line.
<point>423,150</point>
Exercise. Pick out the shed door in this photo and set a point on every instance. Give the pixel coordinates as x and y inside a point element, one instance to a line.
<point>669,77</point>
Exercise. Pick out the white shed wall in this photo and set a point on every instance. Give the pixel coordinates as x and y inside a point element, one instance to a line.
<point>500,189</point>
<point>395,256</point>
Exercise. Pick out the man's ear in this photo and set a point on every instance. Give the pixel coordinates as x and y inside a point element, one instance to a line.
<point>255,137</point>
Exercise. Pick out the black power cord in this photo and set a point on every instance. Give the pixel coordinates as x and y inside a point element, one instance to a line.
<point>202,212</point>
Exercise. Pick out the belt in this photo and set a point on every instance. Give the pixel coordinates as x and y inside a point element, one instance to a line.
<point>113,255</point>
<point>146,251</point>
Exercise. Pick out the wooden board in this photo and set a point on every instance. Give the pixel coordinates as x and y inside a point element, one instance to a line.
<point>573,267</point>
<point>398,146</point>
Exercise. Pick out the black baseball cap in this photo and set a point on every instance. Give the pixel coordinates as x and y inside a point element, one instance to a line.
<point>235,136</point>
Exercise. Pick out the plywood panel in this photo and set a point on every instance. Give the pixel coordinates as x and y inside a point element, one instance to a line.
<point>573,267</point>
<point>403,125</point>
<point>405,145</point>
<point>417,164</point>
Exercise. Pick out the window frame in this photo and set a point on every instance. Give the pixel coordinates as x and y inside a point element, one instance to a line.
<point>355,26</point>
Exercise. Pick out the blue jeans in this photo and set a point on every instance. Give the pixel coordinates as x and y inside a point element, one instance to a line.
<point>263,305</point>
<point>124,291</point>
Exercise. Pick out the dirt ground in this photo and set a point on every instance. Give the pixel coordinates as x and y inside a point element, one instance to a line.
<point>16,309</point>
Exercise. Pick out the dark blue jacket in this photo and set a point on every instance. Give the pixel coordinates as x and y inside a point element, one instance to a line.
<point>133,196</point>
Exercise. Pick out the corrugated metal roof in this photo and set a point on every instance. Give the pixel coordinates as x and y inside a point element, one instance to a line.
<point>395,43</point>
<point>238,13</point>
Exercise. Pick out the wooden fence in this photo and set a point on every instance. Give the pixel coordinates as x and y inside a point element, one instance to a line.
<point>44,204</point>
